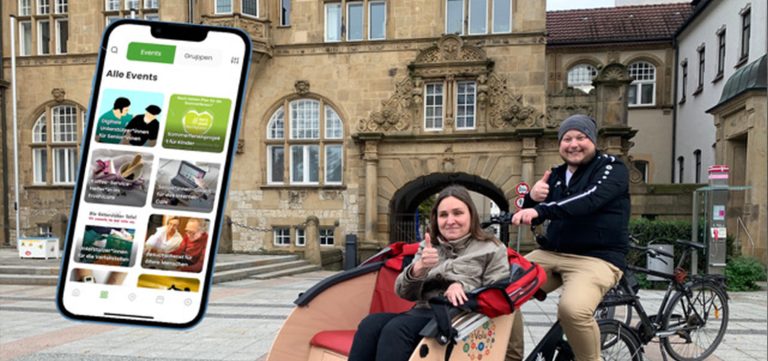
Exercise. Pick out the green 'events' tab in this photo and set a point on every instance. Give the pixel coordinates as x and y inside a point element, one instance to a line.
<point>155,53</point>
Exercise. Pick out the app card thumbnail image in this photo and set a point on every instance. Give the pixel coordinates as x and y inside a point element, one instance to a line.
<point>129,117</point>
<point>169,283</point>
<point>118,177</point>
<point>107,245</point>
<point>184,185</point>
<point>197,123</point>
<point>175,243</point>
<point>102,277</point>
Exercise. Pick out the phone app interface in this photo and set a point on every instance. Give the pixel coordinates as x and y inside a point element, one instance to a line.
<point>160,128</point>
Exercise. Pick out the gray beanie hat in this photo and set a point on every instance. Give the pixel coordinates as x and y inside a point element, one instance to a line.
<point>580,122</point>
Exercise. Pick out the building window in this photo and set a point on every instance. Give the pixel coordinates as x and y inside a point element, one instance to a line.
<point>465,105</point>
<point>720,53</point>
<point>697,157</point>
<point>250,7</point>
<point>580,77</point>
<point>282,236</point>
<point>111,5</point>
<point>684,80</point>
<point>65,125</point>
<point>326,236</point>
<point>223,6</point>
<point>377,20</point>
<point>433,106</point>
<point>62,35</point>
<point>43,7</point>
<point>642,166</point>
<point>680,168</point>
<point>285,12</point>
<point>61,6</point>
<point>43,37</point>
<point>642,91</point>
<point>472,16</point>
<point>25,38</point>
<point>346,20</point>
<point>301,237</point>
<point>332,22</point>
<point>115,10</point>
<point>25,9</point>
<point>745,34</point>
<point>311,152</point>
<point>700,86</point>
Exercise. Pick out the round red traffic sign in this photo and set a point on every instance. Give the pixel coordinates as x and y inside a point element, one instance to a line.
<point>519,202</point>
<point>522,188</point>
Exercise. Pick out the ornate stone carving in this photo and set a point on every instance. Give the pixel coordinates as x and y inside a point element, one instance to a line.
<point>613,72</point>
<point>240,146</point>
<point>58,94</point>
<point>395,111</point>
<point>507,109</point>
<point>449,160</point>
<point>450,48</point>
<point>302,87</point>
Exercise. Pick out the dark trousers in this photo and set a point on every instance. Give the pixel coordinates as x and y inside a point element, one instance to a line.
<point>388,336</point>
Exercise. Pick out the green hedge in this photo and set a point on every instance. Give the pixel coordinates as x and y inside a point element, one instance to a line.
<point>743,273</point>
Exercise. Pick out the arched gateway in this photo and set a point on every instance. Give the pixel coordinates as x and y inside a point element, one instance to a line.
<point>404,204</point>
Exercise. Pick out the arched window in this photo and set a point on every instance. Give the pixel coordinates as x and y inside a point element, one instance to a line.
<point>642,91</point>
<point>697,159</point>
<point>580,77</point>
<point>314,146</point>
<point>61,145</point>
<point>680,168</point>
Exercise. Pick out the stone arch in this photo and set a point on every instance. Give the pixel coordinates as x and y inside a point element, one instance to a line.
<point>406,200</point>
<point>28,121</point>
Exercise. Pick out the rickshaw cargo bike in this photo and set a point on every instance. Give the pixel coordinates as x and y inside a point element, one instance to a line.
<point>323,323</point>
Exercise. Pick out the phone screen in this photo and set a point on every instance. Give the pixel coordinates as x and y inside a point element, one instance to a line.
<point>148,203</point>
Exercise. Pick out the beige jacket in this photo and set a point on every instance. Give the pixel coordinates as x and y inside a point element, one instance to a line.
<point>470,262</point>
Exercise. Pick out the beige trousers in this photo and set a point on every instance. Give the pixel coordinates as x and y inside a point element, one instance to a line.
<point>585,280</point>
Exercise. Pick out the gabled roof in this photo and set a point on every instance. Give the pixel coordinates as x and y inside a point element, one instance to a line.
<point>636,23</point>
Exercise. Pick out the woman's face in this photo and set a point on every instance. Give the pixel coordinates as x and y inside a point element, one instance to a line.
<point>453,218</point>
<point>173,225</point>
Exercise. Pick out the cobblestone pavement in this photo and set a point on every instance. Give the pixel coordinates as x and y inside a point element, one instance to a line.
<point>244,316</point>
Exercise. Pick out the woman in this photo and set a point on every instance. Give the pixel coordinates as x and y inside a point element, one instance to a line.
<point>166,239</point>
<point>463,258</point>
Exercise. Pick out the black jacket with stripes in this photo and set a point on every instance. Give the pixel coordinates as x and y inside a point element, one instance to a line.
<point>590,215</point>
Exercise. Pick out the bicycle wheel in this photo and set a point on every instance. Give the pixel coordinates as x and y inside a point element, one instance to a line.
<point>695,323</point>
<point>621,313</point>
<point>618,342</point>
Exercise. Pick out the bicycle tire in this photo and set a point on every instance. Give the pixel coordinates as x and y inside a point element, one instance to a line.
<point>618,342</point>
<point>693,319</point>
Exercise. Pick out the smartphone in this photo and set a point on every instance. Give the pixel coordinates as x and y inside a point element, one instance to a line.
<point>155,162</point>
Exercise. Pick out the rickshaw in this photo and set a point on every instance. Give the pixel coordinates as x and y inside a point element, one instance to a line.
<point>323,323</point>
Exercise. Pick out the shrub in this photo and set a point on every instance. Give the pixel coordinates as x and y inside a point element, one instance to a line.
<point>743,273</point>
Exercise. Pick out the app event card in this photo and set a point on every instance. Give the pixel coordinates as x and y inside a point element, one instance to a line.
<point>197,123</point>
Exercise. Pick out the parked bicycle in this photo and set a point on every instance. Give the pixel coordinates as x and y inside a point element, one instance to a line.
<point>692,318</point>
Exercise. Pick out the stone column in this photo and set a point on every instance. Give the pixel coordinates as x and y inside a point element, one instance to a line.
<point>528,175</point>
<point>612,89</point>
<point>312,248</point>
<point>371,158</point>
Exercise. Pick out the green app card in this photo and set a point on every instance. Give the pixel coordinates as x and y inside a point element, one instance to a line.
<point>197,123</point>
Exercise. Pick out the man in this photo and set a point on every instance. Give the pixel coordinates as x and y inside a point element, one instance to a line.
<point>143,128</point>
<point>111,124</point>
<point>586,200</point>
<point>192,248</point>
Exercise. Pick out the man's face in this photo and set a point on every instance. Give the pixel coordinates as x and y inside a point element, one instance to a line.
<point>148,117</point>
<point>124,111</point>
<point>193,231</point>
<point>576,148</point>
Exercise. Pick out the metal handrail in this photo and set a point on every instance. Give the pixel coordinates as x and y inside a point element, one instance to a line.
<point>742,225</point>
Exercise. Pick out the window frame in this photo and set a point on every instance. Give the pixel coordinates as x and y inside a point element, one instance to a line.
<point>493,17</point>
<point>370,22</point>
<point>644,172</point>
<point>462,17</point>
<point>59,43</point>
<point>324,234</point>
<point>43,4</point>
<point>285,16</point>
<point>25,7</point>
<point>484,22</point>
<point>683,80</point>
<point>57,129</point>
<point>720,53</point>
<point>315,130</point>
<point>642,67</point>
<point>339,19</point>
<point>702,51</point>
<point>25,44</point>
<point>243,7</point>
<point>746,30</point>
<point>60,7</point>
<point>582,84</point>
<point>231,7</point>
<point>350,19</point>
<point>441,105</point>
<point>474,104</point>
<point>680,168</point>
<point>301,237</point>
<point>40,37</point>
<point>278,236</point>
<point>697,159</point>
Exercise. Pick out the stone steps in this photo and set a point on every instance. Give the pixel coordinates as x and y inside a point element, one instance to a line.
<point>260,267</point>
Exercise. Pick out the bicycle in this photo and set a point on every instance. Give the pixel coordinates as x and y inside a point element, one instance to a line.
<point>691,311</point>
<point>617,341</point>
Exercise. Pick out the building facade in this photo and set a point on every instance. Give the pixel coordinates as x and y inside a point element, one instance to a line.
<point>718,39</point>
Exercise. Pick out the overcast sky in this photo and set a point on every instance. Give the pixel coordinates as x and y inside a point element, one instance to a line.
<point>578,4</point>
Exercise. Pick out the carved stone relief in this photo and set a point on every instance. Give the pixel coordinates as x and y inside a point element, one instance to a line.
<point>507,110</point>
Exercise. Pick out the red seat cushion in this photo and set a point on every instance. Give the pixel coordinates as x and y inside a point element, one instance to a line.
<point>339,341</point>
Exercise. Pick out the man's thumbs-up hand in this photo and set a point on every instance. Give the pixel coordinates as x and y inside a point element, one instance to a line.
<point>429,258</point>
<point>540,190</point>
